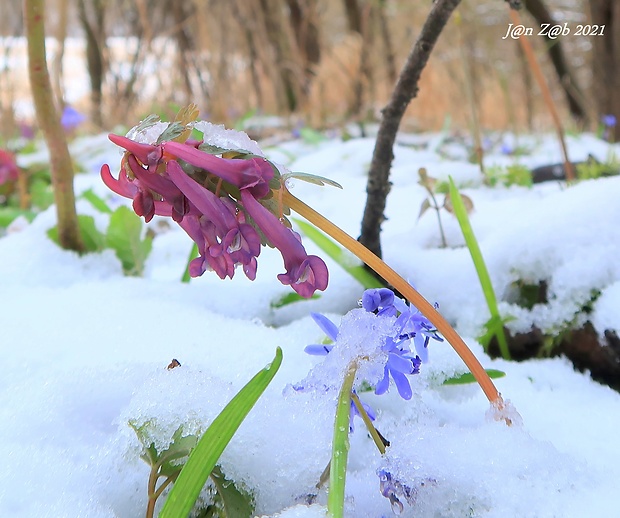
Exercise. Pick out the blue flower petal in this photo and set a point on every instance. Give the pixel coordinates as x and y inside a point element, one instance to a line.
<point>328,327</point>
<point>318,349</point>
<point>383,385</point>
<point>402,384</point>
<point>397,362</point>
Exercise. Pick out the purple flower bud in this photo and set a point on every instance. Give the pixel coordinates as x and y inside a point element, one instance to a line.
<point>380,300</point>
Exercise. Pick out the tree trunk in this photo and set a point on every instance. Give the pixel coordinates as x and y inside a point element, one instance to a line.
<point>280,42</point>
<point>61,166</point>
<point>95,42</point>
<point>406,89</point>
<point>606,58</point>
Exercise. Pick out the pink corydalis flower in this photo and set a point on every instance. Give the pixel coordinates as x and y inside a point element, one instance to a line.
<point>222,193</point>
<point>9,172</point>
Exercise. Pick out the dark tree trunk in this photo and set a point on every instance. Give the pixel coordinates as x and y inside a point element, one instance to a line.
<point>95,42</point>
<point>279,41</point>
<point>306,29</point>
<point>406,89</point>
<point>606,58</point>
<point>354,15</point>
<point>555,50</point>
<point>184,46</point>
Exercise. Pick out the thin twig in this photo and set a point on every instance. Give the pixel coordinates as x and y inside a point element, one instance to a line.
<point>544,88</point>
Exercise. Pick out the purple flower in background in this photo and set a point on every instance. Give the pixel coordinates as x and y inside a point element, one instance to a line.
<point>225,205</point>
<point>392,489</point>
<point>506,148</point>
<point>71,118</point>
<point>26,130</point>
<point>609,121</point>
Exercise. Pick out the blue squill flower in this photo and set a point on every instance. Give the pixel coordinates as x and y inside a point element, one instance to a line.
<point>410,326</point>
<point>380,300</point>
<point>609,121</point>
<point>71,118</point>
<point>400,364</point>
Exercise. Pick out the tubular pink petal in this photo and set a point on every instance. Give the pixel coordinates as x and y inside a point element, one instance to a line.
<point>304,273</point>
<point>146,153</point>
<point>253,173</point>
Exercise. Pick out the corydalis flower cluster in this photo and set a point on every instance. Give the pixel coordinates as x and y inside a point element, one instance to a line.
<point>410,326</point>
<point>221,191</point>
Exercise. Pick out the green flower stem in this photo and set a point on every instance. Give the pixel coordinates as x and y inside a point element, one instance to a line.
<point>403,287</point>
<point>60,160</point>
<point>340,446</point>
<point>371,427</point>
<point>483,274</point>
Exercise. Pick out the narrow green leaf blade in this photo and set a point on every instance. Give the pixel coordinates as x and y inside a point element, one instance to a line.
<point>291,298</point>
<point>340,447</point>
<point>193,253</point>
<point>460,211</point>
<point>202,460</point>
<point>343,259</point>
<point>468,377</point>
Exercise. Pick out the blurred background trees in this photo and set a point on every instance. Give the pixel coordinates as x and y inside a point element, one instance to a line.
<point>313,62</point>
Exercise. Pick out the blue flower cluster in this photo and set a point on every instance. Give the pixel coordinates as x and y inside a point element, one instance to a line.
<point>411,326</point>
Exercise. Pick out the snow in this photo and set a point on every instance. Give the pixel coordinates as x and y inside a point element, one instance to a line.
<point>86,350</point>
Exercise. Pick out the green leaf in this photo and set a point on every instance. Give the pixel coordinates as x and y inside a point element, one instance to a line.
<point>173,130</point>
<point>342,258</point>
<point>311,136</point>
<point>148,122</point>
<point>41,193</point>
<point>9,214</point>
<point>460,211</point>
<point>203,458</point>
<point>290,298</point>
<point>96,201</point>
<point>124,237</point>
<point>234,503</point>
<point>468,377</point>
<point>94,241</point>
<point>340,446</point>
<point>311,178</point>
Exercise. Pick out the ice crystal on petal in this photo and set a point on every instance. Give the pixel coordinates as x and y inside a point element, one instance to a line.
<point>148,133</point>
<point>219,136</point>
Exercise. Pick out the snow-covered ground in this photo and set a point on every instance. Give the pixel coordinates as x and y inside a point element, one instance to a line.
<point>85,351</point>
